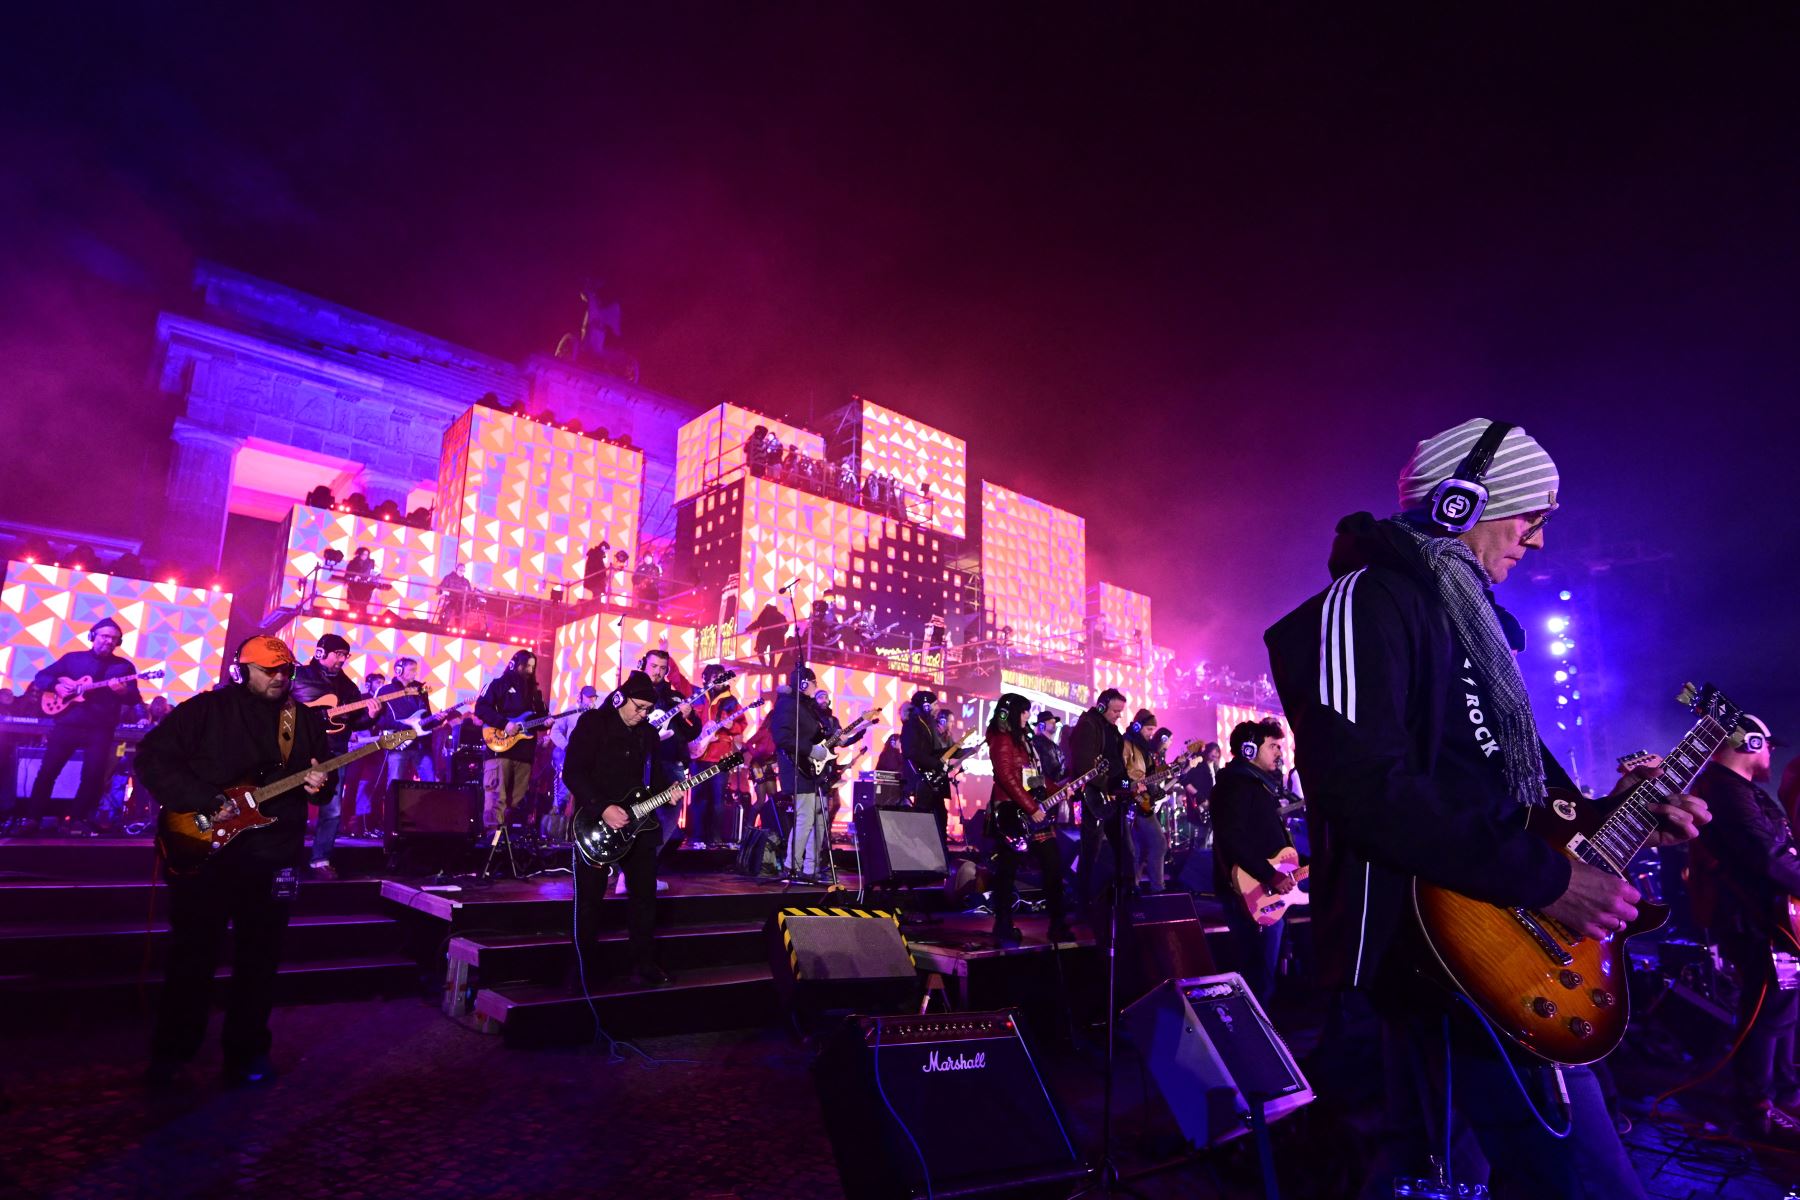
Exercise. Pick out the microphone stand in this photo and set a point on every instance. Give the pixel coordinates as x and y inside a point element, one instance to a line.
<point>1108,1181</point>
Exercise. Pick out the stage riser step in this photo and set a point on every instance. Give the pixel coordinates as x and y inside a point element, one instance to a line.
<point>551,963</point>
<point>98,954</point>
<point>52,1004</point>
<point>671,911</point>
<point>50,904</point>
<point>129,860</point>
<point>751,1004</point>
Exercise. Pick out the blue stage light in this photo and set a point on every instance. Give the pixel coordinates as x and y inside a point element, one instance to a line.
<point>1556,624</point>
<point>1559,647</point>
<point>1564,595</point>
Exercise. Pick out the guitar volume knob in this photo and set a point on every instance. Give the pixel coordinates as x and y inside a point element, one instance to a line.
<point>1580,1027</point>
<point>1603,999</point>
<point>1570,979</point>
<point>1544,1007</point>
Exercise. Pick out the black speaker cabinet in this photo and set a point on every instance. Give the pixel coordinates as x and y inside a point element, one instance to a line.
<point>840,959</point>
<point>947,1105</point>
<point>416,810</point>
<point>899,845</point>
<point>1213,1053</point>
<point>1160,937</point>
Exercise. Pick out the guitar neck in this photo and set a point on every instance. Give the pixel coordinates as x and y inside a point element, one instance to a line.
<point>384,697</point>
<point>85,688</point>
<point>1627,831</point>
<point>288,783</point>
<point>673,792</point>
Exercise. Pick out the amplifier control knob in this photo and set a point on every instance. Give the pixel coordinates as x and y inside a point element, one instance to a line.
<point>1544,1007</point>
<point>1603,999</point>
<point>1579,1027</point>
<point>1570,979</point>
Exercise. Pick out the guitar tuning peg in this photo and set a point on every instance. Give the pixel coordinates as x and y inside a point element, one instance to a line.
<point>1686,695</point>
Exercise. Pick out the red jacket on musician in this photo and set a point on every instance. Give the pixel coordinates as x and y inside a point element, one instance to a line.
<point>1011,764</point>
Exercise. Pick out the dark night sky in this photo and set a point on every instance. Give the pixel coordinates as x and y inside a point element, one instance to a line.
<point>1203,276</point>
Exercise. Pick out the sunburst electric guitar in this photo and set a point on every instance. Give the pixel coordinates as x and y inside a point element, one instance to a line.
<point>1561,996</point>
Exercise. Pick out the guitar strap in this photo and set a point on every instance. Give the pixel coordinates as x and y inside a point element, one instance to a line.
<point>285,734</point>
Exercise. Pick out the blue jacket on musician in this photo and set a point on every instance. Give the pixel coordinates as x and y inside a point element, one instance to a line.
<point>1404,774</point>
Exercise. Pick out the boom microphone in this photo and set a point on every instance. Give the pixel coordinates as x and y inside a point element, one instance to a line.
<point>789,586</point>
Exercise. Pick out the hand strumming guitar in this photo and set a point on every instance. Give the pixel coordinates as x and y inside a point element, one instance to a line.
<point>1284,883</point>
<point>1596,903</point>
<point>614,816</point>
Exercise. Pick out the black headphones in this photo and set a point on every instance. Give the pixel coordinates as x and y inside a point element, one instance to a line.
<point>1753,743</point>
<point>1248,749</point>
<point>1456,504</point>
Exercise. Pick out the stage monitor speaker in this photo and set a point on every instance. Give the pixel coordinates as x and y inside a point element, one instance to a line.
<point>1160,937</point>
<point>840,959</point>
<point>899,845</point>
<point>421,810</point>
<point>1214,1054</point>
<point>29,763</point>
<point>862,795</point>
<point>946,1105</point>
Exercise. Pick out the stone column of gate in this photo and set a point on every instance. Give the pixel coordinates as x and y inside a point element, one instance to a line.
<point>198,494</point>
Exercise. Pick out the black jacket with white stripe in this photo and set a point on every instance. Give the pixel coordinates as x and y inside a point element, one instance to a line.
<point>1403,774</point>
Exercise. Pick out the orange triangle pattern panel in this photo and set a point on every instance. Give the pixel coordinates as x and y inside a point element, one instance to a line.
<point>46,612</point>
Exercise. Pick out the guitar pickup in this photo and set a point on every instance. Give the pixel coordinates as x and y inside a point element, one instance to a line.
<point>1548,944</point>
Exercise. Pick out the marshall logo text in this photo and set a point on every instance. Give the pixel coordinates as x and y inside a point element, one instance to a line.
<point>955,1062</point>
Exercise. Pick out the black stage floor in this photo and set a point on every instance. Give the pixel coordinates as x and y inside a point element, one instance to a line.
<point>395,1085</point>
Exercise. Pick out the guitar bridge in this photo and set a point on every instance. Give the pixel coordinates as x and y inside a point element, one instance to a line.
<point>1541,936</point>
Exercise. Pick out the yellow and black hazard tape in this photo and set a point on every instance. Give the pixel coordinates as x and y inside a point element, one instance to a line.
<point>787,938</point>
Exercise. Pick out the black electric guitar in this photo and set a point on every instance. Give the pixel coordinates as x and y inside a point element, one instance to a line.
<point>829,766</point>
<point>1555,993</point>
<point>1021,828</point>
<point>600,845</point>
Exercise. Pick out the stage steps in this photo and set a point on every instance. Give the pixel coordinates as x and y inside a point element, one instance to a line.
<point>73,939</point>
<point>509,960</point>
<point>134,858</point>
<point>703,999</point>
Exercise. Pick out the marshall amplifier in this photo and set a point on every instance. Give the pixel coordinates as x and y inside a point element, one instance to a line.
<point>944,1105</point>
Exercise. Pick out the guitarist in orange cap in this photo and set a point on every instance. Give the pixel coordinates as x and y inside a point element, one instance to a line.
<point>217,739</point>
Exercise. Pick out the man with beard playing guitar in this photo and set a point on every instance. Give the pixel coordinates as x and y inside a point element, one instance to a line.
<point>1019,781</point>
<point>205,745</point>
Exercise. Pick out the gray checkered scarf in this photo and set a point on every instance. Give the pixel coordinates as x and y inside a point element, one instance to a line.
<point>1463,585</point>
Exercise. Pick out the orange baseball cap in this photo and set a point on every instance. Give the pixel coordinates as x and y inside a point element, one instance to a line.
<point>266,652</point>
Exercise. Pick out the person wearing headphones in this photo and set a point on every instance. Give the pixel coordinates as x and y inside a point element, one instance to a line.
<point>504,706</point>
<point>1248,832</point>
<point>1750,867</point>
<point>1143,752</point>
<point>1422,760</point>
<point>795,726</point>
<point>244,731</point>
<point>87,725</point>
<point>608,756</point>
<point>324,682</point>
<point>1018,780</point>
<point>1097,737</point>
<point>669,759</point>
<point>922,742</point>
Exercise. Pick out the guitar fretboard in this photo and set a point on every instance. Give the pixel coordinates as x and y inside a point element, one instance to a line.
<point>644,808</point>
<point>1624,833</point>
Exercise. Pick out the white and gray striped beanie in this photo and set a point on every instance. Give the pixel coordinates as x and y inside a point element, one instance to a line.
<point>1522,478</point>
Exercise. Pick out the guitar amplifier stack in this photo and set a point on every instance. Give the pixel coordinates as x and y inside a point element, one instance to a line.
<point>948,1104</point>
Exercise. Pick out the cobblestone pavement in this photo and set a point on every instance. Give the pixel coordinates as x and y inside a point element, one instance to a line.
<point>390,1099</point>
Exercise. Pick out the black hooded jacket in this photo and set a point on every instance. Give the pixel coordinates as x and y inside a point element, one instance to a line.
<point>1404,774</point>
